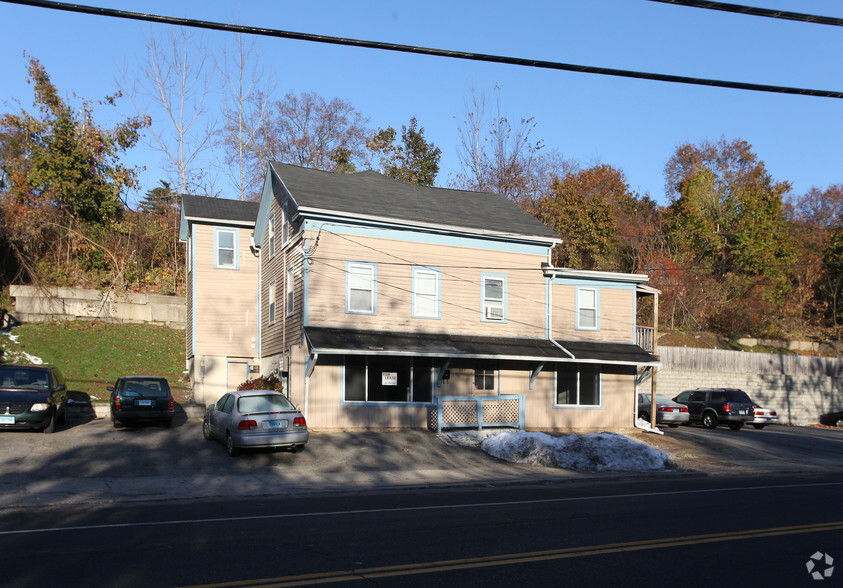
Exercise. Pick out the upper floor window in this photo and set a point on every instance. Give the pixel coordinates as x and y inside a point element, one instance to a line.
<point>426,299</point>
<point>272,302</point>
<point>271,241</point>
<point>494,298</point>
<point>290,290</point>
<point>360,288</point>
<point>225,248</point>
<point>578,386</point>
<point>285,226</point>
<point>587,316</point>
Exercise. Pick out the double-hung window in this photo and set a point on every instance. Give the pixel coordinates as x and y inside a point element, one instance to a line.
<point>225,248</point>
<point>290,291</point>
<point>360,288</point>
<point>493,292</point>
<point>426,299</point>
<point>272,302</point>
<point>587,303</point>
<point>285,225</point>
<point>271,241</point>
<point>578,386</point>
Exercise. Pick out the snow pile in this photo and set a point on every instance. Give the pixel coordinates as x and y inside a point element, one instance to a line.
<point>596,451</point>
<point>18,356</point>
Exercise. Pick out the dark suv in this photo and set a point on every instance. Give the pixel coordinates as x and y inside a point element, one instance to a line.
<point>32,397</point>
<point>141,398</point>
<point>713,406</point>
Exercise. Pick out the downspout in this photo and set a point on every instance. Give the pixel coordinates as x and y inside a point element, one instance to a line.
<point>310,363</point>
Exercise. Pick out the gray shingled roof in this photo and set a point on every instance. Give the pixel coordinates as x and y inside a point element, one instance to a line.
<point>371,194</point>
<point>219,209</point>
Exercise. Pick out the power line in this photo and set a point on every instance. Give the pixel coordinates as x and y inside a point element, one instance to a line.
<point>754,11</point>
<point>217,26</point>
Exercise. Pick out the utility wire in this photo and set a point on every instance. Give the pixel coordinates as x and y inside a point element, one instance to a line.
<point>217,26</point>
<point>753,11</point>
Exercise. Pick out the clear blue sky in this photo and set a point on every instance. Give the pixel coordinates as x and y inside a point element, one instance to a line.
<point>634,125</point>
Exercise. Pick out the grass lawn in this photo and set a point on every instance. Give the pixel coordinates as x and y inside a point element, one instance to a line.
<point>92,354</point>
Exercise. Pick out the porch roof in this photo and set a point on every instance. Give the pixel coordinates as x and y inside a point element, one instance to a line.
<point>326,340</point>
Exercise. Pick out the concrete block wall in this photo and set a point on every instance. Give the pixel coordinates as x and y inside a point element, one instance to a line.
<point>799,398</point>
<point>44,304</point>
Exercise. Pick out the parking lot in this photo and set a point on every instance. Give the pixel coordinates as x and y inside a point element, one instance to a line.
<point>90,461</point>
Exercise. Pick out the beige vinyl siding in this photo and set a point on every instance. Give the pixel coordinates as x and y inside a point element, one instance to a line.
<point>325,409</point>
<point>225,298</point>
<point>616,411</point>
<point>188,324</point>
<point>616,314</point>
<point>460,291</point>
<point>286,330</point>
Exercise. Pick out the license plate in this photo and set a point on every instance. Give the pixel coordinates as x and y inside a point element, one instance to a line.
<point>675,410</point>
<point>7,420</point>
<point>741,412</point>
<point>143,403</point>
<point>275,425</point>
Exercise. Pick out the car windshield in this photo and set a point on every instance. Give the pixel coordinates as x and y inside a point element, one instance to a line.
<point>24,377</point>
<point>146,387</point>
<point>737,396</point>
<point>263,403</point>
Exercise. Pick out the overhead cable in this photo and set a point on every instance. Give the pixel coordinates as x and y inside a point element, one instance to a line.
<point>217,26</point>
<point>754,11</point>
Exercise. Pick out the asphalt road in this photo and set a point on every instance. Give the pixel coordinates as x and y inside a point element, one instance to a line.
<point>698,531</point>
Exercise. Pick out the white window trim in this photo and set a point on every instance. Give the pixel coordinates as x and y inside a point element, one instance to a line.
<point>271,239</point>
<point>595,308</point>
<point>437,295</point>
<point>290,293</point>
<point>484,313</point>
<point>272,297</point>
<point>236,239</point>
<point>370,267</point>
<point>285,226</point>
<point>579,380</point>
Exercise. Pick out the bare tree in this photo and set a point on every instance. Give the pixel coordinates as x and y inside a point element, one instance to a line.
<point>499,156</point>
<point>172,86</point>
<point>245,113</point>
<point>308,130</point>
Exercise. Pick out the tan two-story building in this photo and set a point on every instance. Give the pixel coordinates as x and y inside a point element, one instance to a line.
<point>388,305</point>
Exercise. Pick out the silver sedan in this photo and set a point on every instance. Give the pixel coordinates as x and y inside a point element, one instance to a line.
<point>255,418</point>
<point>668,412</point>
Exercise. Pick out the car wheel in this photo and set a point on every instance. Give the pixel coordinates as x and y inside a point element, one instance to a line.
<point>644,416</point>
<point>229,446</point>
<point>51,426</point>
<point>709,421</point>
<point>735,426</point>
<point>206,431</point>
<point>759,426</point>
<point>63,418</point>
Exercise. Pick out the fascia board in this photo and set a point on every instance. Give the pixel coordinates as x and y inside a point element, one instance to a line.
<point>333,214</point>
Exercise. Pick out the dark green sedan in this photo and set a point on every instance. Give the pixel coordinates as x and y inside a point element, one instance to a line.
<point>136,399</point>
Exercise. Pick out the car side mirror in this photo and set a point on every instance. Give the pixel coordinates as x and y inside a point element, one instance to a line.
<point>110,388</point>
<point>211,407</point>
<point>61,388</point>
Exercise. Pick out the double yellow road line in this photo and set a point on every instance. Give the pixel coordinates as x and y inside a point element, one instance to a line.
<point>521,558</point>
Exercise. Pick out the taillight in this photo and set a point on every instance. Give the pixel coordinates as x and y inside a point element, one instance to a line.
<point>665,409</point>
<point>170,405</point>
<point>247,425</point>
<point>299,422</point>
<point>683,409</point>
<point>759,413</point>
<point>117,405</point>
<point>727,407</point>
<point>772,413</point>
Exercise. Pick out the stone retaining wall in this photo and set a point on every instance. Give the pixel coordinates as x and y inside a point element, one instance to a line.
<point>34,304</point>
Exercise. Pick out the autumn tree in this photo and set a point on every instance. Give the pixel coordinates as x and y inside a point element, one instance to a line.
<point>412,159</point>
<point>308,130</point>
<point>727,219</point>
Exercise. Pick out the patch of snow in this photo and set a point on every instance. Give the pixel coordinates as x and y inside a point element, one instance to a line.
<point>594,451</point>
<point>14,356</point>
<point>647,426</point>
